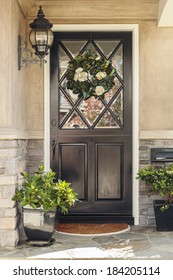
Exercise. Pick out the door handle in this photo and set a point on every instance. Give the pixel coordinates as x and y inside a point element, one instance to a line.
<point>53,144</point>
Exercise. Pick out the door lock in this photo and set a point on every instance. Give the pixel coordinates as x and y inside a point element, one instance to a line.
<point>53,122</point>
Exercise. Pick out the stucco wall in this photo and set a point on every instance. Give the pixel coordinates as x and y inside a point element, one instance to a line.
<point>12,81</point>
<point>18,85</point>
<point>156,68</point>
<point>5,19</point>
<point>34,91</point>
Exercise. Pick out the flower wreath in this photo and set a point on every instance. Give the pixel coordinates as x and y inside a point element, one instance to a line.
<point>90,75</point>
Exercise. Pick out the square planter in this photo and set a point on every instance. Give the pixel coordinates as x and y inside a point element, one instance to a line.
<point>164,219</point>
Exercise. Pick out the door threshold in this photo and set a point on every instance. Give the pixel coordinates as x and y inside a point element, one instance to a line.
<point>97,219</point>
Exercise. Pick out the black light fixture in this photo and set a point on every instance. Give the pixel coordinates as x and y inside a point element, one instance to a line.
<point>41,38</point>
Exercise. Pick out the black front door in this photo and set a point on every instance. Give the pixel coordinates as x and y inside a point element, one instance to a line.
<point>91,140</point>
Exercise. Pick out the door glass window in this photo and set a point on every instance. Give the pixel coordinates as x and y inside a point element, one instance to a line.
<point>74,112</point>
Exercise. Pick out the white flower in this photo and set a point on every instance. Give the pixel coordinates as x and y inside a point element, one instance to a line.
<point>75,77</point>
<point>78,70</point>
<point>101,75</point>
<point>80,76</point>
<point>97,58</point>
<point>99,90</point>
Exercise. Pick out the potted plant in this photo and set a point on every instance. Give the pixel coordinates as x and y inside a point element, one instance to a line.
<point>40,196</point>
<point>159,181</point>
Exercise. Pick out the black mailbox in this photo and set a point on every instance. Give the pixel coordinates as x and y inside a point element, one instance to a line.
<point>161,155</point>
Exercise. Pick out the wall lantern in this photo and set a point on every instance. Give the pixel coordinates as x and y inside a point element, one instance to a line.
<point>41,38</point>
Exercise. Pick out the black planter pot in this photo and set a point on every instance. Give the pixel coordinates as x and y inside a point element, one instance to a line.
<point>164,219</point>
<point>38,225</point>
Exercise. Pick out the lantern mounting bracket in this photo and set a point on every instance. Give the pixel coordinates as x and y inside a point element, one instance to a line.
<point>26,56</point>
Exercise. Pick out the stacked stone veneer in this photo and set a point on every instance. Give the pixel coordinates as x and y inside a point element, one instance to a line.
<point>15,157</point>
<point>35,154</point>
<point>12,162</point>
<point>145,202</point>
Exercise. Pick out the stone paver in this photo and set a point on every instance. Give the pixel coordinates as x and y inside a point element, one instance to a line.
<point>138,243</point>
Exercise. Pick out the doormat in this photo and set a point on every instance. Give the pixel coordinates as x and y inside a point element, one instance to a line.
<point>85,229</point>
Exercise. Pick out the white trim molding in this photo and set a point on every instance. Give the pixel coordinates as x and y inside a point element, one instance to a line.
<point>47,114</point>
<point>135,87</point>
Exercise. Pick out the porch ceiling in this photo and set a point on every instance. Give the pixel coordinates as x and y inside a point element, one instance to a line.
<point>61,11</point>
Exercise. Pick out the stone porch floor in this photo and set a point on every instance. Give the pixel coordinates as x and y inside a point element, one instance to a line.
<point>138,243</point>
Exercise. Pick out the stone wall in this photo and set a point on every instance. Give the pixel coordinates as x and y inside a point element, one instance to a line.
<point>12,162</point>
<point>146,203</point>
<point>35,154</point>
<point>15,157</point>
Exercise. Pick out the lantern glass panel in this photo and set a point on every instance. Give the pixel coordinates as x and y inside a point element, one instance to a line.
<point>41,38</point>
<point>50,37</point>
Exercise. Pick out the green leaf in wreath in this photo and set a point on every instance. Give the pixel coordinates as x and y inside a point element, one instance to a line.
<point>86,95</point>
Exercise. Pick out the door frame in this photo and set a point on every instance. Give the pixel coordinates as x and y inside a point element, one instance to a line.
<point>135,99</point>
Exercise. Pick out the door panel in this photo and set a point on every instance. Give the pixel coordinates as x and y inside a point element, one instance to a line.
<point>92,139</point>
<point>108,171</point>
<point>73,166</point>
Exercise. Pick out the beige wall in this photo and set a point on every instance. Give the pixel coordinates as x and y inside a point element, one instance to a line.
<point>18,90</point>
<point>156,77</point>
<point>5,73</point>
<point>12,81</point>
<point>35,99</point>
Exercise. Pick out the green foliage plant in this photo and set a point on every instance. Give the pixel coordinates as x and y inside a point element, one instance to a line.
<point>159,181</point>
<point>41,190</point>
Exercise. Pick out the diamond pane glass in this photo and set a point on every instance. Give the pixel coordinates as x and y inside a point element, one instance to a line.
<point>64,107</point>
<point>63,60</point>
<point>74,121</point>
<point>107,121</point>
<point>91,109</point>
<point>74,47</point>
<point>72,96</point>
<point>110,93</point>
<point>91,47</point>
<point>117,61</point>
<point>107,47</point>
<point>117,107</point>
